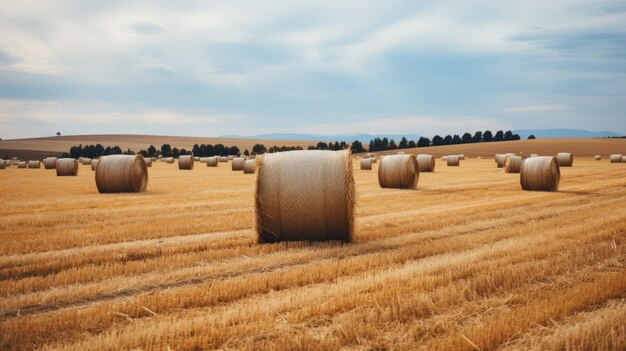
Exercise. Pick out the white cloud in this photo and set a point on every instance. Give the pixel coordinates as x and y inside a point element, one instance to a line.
<point>538,108</point>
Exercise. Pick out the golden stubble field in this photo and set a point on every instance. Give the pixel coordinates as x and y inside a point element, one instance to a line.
<point>467,261</point>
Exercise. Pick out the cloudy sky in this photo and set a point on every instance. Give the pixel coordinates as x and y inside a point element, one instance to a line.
<point>207,68</point>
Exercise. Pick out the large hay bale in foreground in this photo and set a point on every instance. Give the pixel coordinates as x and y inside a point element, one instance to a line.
<point>94,163</point>
<point>453,160</point>
<point>598,157</point>
<point>366,164</point>
<point>425,163</point>
<point>185,162</point>
<point>565,159</point>
<point>212,162</point>
<point>500,158</point>
<point>34,164</point>
<point>540,173</point>
<point>22,164</point>
<point>513,164</point>
<point>249,166</point>
<point>398,171</point>
<point>50,162</point>
<point>121,174</point>
<point>615,158</point>
<point>148,161</point>
<point>67,167</point>
<point>305,195</point>
<point>237,164</point>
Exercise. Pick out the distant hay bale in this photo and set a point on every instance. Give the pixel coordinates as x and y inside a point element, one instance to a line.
<point>148,161</point>
<point>185,162</point>
<point>15,162</point>
<point>305,195</point>
<point>223,159</point>
<point>121,174</point>
<point>398,171</point>
<point>500,158</point>
<point>453,160</point>
<point>598,157</point>
<point>196,158</point>
<point>374,159</point>
<point>425,163</point>
<point>237,164</point>
<point>400,153</point>
<point>50,162</point>
<point>249,166</point>
<point>212,162</point>
<point>540,173</point>
<point>565,159</point>
<point>616,158</point>
<point>513,164</point>
<point>94,164</point>
<point>461,157</point>
<point>3,164</point>
<point>623,159</point>
<point>169,160</point>
<point>67,167</point>
<point>203,159</point>
<point>34,164</point>
<point>86,161</point>
<point>533,155</point>
<point>444,158</point>
<point>230,157</point>
<point>371,154</point>
<point>366,164</point>
<point>22,164</point>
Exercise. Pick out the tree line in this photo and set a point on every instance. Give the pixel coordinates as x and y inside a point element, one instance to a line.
<point>379,144</point>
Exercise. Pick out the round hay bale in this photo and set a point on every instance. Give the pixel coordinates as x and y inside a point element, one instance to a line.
<point>371,154</point>
<point>500,158</point>
<point>237,164</point>
<point>426,163</point>
<point>230,157</point>
<point>196,158</point>
<point>453,160</point>
<point>169,160</point>
<point>398,171</point>
<point>374,159</point>
<point>223,159</point>
<point>366,164</point>
<point>533,155</point>
<point>513,164</point>
<point>22,164</point>
<point>249,166</point>
<point>623,159</point>
<point>94,163</point>
<point>461,157</point>
<point>598,157</point>
<point>86,161</point>
<point>615,158</point>
<point>305,195</point>
<point>3,164</point>
<point>50,162</point>
<point>121,174</point>
<point>148,161</point>
<point>185,162</point>
<point>565,159</point>
<point>34,164</point>
<point>67,167</point>
<point>212,162</point>
<point>540,173</point>
<point>444,158</point>
<point>203,159</point>
<point>400,153</point>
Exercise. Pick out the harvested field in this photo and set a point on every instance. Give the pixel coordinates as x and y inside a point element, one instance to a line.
<point>466,261</point>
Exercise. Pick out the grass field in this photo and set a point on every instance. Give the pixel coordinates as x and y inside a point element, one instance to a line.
<point>467,261</point>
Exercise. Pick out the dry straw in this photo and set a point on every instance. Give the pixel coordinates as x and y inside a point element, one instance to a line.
<point>50,162</point>
<point>540,173</point>
<point>94,164</point>
<point>453,160</point>
<point>616,158</point>
<point>398,171</point>
<point>121,174</point>
<point>598,157</point>
<point>513,164</point>
<point>67,167</point>
<point>426,163</point>
<point>148,161</point>
<point>185,162</point>
<point>305,195</point>
<point>366,163</point>
<point>533,155</point>
<point>212,162</point>
<point>565,159</point>
<point>22,164</point>
<point>249,166</point>
<point>34,164</point>
<point>237,164</point>
<point>623,159</point>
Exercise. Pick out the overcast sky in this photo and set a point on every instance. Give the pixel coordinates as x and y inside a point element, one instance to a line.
<point>204,68</point>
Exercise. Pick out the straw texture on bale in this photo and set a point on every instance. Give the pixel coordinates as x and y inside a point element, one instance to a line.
<point>426,163</point>
<point>67,167</point>
<point>540,173</point>
<point>212,162</point>
<point>50,162</point>
<point>249,166</point>
<point>86,161</point>
<point>453,160</point>
<point>21,164</point>
<point>565,159</point>
<point>615,158</point>
<point>305,195</point>
<point>598,157</point>
<point>623,159</point>
<point>94,164</point>
<point>533,155</point>
<point>185,162</point>
<point>398,171</point>
<point>366,163</point>
<point>230,157</point>
<point>237,164</point>
<point>223,159</point>
<point>513,164</point>
<point>34,164</point>
<point>500,158</point>
<point>121,174</point>
<point>148,161</point>
<point>203,159</point>
<point>169,160</point>
<point>461,157</point>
